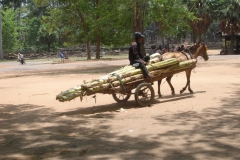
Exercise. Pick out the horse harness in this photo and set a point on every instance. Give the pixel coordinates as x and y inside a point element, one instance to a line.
<point>185,53</point>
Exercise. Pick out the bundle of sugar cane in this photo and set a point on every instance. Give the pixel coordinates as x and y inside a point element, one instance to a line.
<point>124,72</point>
<point>176,68</point>
<point>128,71</point>
<point>127,74</point>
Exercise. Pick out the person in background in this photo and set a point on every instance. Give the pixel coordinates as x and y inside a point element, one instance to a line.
<point>152,50</point>
<point>66,55</point>
<point>159,50</point>
<point>21,59</point>
<point>20,56</point>
<point>165,49</point>
<point>136,58</point>
<point>173,49</point>
<point>61,55</point>
<point>182,48</point>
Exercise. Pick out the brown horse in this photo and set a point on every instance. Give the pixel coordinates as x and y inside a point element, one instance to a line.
<point>194,51</point>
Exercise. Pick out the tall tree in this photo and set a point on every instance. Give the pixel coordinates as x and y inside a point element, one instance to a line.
<point>105,22</point>
<point>47,35</point>
<point>81,14</point>
<point>116,23</point>
<point>10,31</point>
<point>111,22</point>
<point>98,39</point>
<point>14,4</point>
<point>138,21</point>
<point>1,50</point>
<point>228,14</point>
<point>170,16</point>
<point>30,26</point>
<point>202,10</point>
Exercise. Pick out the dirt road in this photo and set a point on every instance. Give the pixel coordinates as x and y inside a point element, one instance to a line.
<point>205,125</point>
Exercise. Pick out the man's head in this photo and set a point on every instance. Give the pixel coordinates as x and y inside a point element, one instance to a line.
<point>138,37</point>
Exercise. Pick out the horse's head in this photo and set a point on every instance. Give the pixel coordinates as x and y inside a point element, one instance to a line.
<point>199,49</point>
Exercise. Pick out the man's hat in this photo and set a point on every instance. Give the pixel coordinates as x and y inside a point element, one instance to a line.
<point>138,34</point>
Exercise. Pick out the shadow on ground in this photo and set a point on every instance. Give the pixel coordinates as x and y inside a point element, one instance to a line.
<point>116,107</point>
<point>216,133</point>
<point>33,132</point>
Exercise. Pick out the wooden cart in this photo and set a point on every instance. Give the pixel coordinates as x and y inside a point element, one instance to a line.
<point>143,91</point>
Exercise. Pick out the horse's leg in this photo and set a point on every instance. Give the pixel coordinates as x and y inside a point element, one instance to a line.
<point>159,91</point>
<point>170,84</point>
<point>188,74</point>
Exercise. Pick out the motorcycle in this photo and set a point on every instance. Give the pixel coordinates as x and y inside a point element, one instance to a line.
<point>22,61</point>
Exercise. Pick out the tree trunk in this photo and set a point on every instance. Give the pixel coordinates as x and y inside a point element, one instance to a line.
<point>1,51</point>
<point>168,43</point>
<point>98,47</point>
<point>97,37</point>
<point>199,37</point>
<point>49,47</point>
<point>194,38</point>
<point>85,30</point>
<point>231,49</point>
<point>138,22</point>
<point>88,50</point>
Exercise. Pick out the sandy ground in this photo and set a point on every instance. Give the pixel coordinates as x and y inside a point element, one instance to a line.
<point>200,126</point>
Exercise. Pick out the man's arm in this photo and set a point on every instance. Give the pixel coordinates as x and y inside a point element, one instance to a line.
<point>134,47</point>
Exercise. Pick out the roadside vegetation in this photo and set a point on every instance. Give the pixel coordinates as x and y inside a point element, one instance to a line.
<point>51,25</point>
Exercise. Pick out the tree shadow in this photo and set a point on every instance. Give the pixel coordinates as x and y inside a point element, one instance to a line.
<point>216,135</point>
<point>33,132</point>
<point>103,110</point>
<point>177,97</point>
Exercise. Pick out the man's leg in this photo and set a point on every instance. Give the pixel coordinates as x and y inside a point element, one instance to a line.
<point>143,68</point>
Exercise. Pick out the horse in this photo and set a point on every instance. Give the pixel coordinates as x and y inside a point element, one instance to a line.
<point>194,51</point>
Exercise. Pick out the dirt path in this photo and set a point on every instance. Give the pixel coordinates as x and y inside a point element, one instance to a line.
<point>205,125</point>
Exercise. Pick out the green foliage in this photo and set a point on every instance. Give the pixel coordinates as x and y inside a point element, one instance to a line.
<point>224,9</point>
<point>77,21</point>
<point>114,23</point>
<point>14,4</point>
<point>45,25</point>
<point>170,16</point>
<point>39,34</point>
<point>10,34</point>
<point>228,14</point>
<point>32,26</point>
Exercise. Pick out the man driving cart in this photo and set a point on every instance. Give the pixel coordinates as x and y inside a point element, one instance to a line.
<point>136,58</point>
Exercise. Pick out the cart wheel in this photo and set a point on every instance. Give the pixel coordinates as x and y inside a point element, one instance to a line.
<point>144,94</point>
<point>120,97</point>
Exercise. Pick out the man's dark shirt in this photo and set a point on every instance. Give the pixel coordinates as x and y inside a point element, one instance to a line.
<point>134,52</point>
